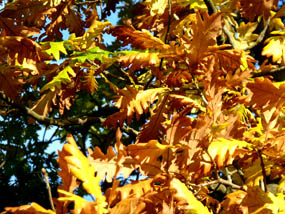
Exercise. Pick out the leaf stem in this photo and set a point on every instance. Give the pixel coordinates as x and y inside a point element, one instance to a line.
<point>263,169</point>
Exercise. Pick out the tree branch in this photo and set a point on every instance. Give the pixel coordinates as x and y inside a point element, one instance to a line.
<point>50,121</point>
<point>268,73</point>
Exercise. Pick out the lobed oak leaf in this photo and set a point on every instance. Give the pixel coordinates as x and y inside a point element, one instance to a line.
<point>275,47</point>
<point>80,204</point>
<point>265,95</point>
<point>82,169</point>
<point>258,201</point>
<point>254,174</point>
<point>134,190</point>
<point>224,151</point>
<point>205,31</point>
<point>232,202</point>
<point>55,48</point>
<point>132,101</point>
<point>151,156</point>
<point>11,80</point>
<point>244,35</point>
<point>11,27</point>
<point>90,80</point>
<point>136,60</point>
<point>253,8</point>
<point>154,128</point>
<point>63,77</point>
<point>138,39</point>
<point>182,192</point>
<point>111,164</point>
<point>181,102</point>
<point>20,48</point>
<point>32,208</point>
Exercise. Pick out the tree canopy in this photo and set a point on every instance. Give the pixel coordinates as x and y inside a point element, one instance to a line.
<point>182,113</point>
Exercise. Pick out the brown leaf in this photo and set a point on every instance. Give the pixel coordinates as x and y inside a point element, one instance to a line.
<point>155,128</point>
<point>132,101</point>
<point>265,95</point>
<point>252,8</point>
<point>205,31</point>
<point>138,39</point>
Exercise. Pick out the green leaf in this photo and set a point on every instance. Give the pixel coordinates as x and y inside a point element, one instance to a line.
<point>56,48</point>
<point>62,77</point>
<point>92,53</point>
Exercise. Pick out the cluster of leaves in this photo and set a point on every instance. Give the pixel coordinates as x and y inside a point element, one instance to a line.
<point>193,99</point>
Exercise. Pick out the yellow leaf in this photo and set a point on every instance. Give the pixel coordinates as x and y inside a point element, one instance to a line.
<point>275,47</point>
<point>194,206</point>
<point>158,7</point>
<point>80,204</point>
<point>81,168</point>
<point>224,151</point>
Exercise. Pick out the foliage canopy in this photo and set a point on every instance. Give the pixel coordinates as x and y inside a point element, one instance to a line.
<point>190,96</point>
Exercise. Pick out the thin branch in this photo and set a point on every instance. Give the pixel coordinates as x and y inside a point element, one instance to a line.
<point>218,181</point>
<point>211,6</point>
<point>51,121</point>
<point>263,169</point>
<point>48,188</point>
<point>88,2</point>
<point>268,73</point>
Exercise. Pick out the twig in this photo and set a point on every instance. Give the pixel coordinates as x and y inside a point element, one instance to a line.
<point>211,6</point>
<point>48,188</point>
<point>220,181</point>
<point>88,2</point>
<point>263,169</point>
<point>50,121</point>
<point>268,73</point>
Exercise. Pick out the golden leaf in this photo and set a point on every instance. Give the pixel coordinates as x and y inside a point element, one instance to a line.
<point>33,208</point>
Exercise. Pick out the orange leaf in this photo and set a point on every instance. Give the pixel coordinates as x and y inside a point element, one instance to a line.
<point>32,208</point>
<point>265,94</point>
<point>138,39</point>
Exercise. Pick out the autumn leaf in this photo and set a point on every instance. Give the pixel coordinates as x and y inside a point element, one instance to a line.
<point>80,204</point>
<point>139,39</point>
<point>205,31</point>
<point>135,59</point>
<point>151,156</point>
<point>55,49</point>
<point>81,168</point>
<point>155,127</point>
<point>265,94</point>
<point>61,78</point>
<point>252,8</point>
<point>224,151</point>
<point>244,35</point>
<point>132,101</point>
<point>28,209</point>
<point>275,47</point>
<point>182,192</point>
<point>92,54</point>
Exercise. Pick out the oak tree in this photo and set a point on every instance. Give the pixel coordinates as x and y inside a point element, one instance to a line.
<point>183,111</point>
